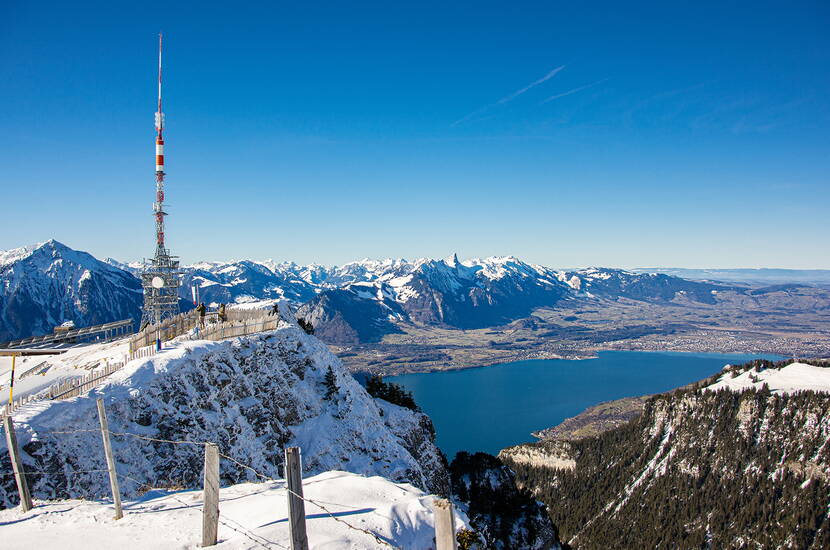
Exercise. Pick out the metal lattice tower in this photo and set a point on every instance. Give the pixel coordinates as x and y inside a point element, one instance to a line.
<point>161,275</point>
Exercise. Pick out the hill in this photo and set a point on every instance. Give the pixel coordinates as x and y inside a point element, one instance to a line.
<point>741,461</point>
<point>252,396</point>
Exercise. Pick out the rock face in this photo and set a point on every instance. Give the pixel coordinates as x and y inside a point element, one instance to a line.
<point>501,516</point>
<point>44,285</point>
<point>252,396</point>
<point>347,316</point>
<point>700,468</point>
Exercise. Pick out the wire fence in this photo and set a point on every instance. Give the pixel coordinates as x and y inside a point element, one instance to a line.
<point>223,520</point>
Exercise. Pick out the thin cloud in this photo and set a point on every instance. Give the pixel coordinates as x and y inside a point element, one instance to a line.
<point>509,97</point>
<point>575,90</point>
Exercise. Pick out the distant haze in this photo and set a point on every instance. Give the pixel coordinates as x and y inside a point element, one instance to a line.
<point>762,275</point>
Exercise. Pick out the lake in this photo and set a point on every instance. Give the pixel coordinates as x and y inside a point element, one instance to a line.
<point>490,408</point>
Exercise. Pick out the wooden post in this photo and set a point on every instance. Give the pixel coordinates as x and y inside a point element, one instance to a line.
<point>105,435</point>
<point>17,465</point>
<point>210,506</point>
<point>11,382</point>
<point>444,525</point>
<point>296,505</point>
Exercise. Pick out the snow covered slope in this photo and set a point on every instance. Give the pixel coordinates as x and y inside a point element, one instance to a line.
<point>399,513</point>
<point>790,378</point>
<point>42,286</point>
<point>253,396</point>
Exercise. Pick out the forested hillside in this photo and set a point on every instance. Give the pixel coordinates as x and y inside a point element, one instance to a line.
<point>700,468</point>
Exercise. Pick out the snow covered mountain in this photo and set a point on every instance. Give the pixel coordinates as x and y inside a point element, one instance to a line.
<point>473,294</point>
<point>42,286</point>
<point>252,396</point>
<point>247,281</point>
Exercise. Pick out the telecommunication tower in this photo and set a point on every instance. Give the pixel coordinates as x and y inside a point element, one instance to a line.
<point>161,275</point>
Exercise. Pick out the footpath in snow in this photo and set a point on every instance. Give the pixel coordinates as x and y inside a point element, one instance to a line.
<point>251,515</point>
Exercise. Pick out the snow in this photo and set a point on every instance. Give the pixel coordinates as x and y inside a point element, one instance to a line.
<point>251,394</point>
<point>791,378</point>
<point>399,513</point>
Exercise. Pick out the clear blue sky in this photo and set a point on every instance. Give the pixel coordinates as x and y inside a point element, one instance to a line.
<point>690,134</point>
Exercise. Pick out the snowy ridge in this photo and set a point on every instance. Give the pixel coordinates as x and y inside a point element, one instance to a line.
<point>252,396</point>
<point>788,379</point>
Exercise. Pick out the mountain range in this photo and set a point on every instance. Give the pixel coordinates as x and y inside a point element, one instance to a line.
<point>46,284</point>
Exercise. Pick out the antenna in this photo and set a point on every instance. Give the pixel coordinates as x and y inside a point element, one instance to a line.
<point>160,278</point>
<point>159,113</point>
<point>160,36</point>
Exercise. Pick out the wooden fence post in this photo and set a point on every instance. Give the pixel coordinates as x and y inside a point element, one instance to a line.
<point>296,505</point>
<point>17,465</point>
<point>105,435</point>
<point>210,506</point>
<point>444,525</point>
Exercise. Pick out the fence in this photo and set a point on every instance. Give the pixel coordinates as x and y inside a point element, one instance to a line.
<point>444,519</point>
<point>143,344</point>
<point>238,322</point>
<point>104,332</point>
<point>68,388</point>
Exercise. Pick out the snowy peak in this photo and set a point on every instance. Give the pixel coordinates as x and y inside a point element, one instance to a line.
<point>46,284</point>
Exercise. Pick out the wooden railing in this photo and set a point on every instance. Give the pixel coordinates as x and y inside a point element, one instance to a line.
<point>104,332</point>
<point>238,322</point>
<point>68,388</point>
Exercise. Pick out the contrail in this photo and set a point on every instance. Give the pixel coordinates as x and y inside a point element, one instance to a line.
<point>569,92</point>
<point>510,97</point>
<point>529,86</point>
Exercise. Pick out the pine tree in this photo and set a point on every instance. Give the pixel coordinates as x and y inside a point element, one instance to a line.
<point>331,384</point>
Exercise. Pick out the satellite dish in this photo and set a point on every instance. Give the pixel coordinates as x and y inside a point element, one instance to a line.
<point>157,282</point>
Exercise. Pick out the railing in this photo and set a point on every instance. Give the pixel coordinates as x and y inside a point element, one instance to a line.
<point>143,344</point>
<point>254,320</point>
<point>116,328</point>
<point>68,388</point>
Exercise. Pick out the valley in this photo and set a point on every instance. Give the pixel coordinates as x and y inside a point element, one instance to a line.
<point>575,330</point>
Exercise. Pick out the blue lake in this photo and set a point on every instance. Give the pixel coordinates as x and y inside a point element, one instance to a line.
<point>490,408</point>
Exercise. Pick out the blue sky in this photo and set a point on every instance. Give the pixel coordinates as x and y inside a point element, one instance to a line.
<point>688,134</point>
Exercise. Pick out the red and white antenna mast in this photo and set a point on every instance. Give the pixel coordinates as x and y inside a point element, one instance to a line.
<point>158,207</point>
